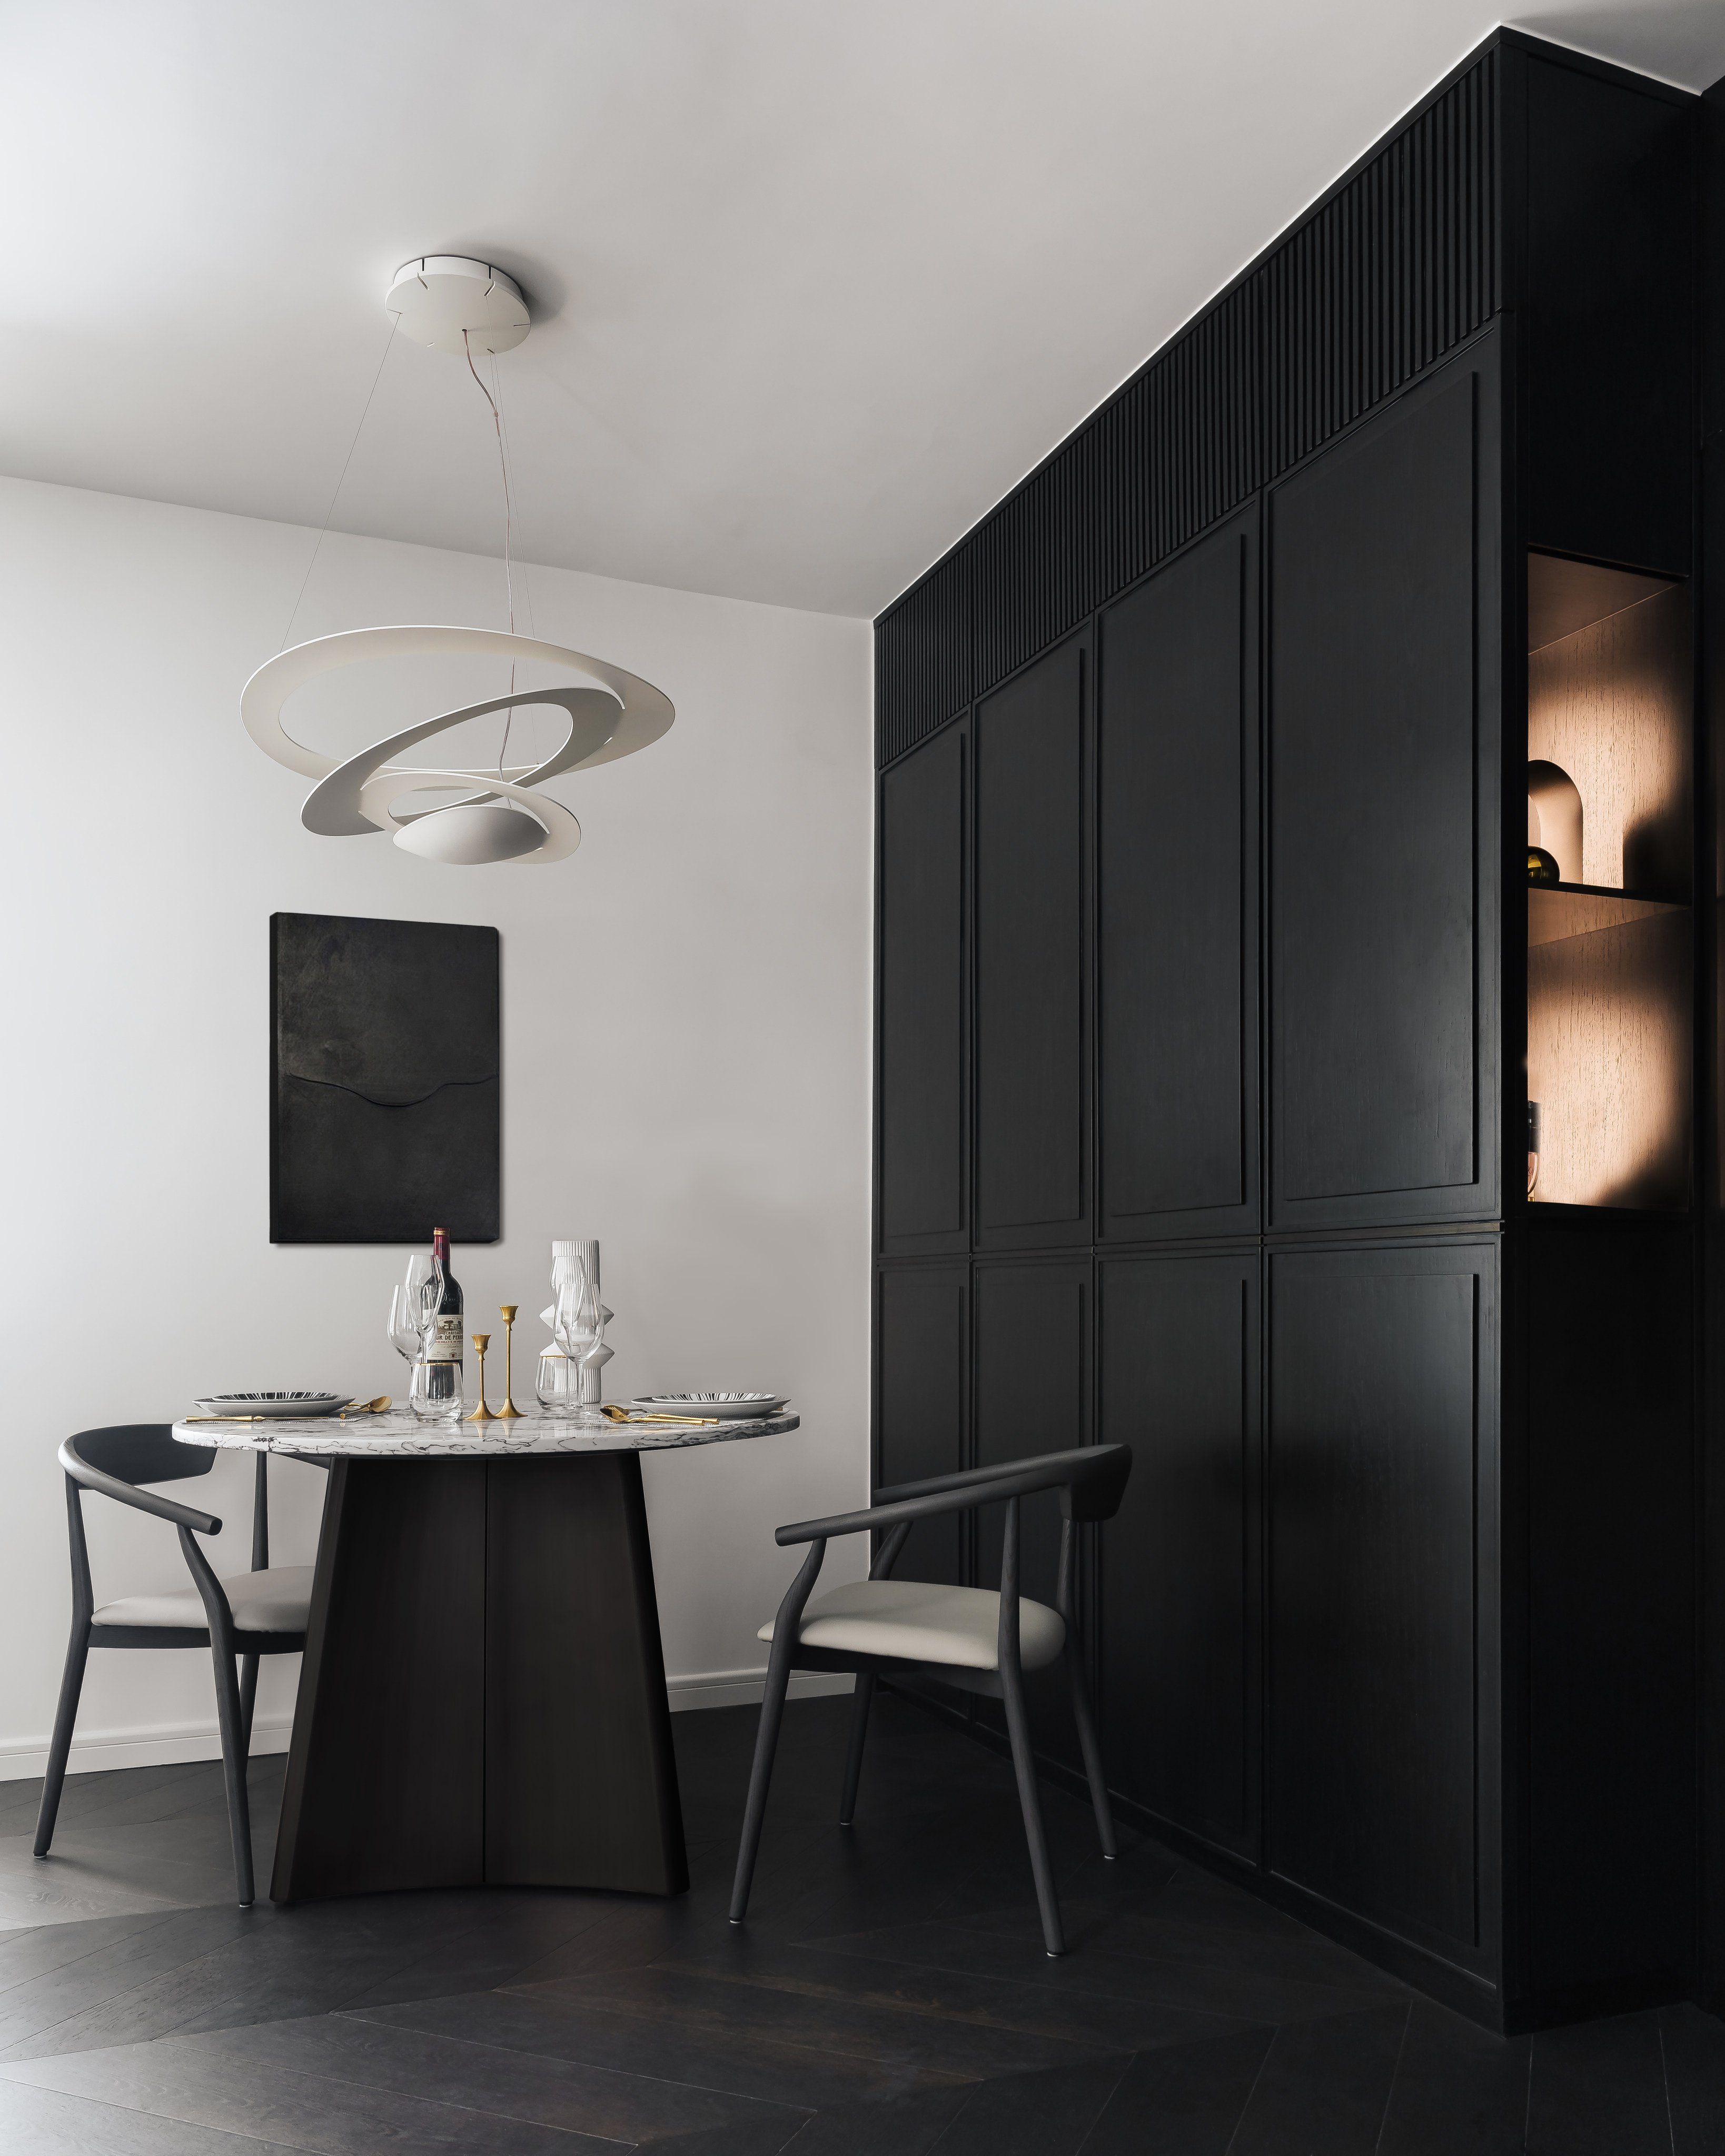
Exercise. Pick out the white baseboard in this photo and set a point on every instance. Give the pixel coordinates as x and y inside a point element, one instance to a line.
<point>101,1751</point>
<point>744,1687</point>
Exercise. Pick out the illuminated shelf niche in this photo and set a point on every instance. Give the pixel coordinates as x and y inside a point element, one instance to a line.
<point>1609,963</point>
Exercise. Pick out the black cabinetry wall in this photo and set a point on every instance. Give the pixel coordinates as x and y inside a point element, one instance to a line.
<point>1203,1021</point>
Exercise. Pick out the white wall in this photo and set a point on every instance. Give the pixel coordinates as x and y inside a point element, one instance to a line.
<point>721,891</point>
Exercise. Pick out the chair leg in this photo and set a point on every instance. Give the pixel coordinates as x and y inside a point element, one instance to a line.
<point>60,1748</point>
<point>1017,1729</point>
<point>778,1681</point>
<point>861,1699</point>
<point>230,1714</point>
<point>1091,1750</point>
<point>248,1694</point>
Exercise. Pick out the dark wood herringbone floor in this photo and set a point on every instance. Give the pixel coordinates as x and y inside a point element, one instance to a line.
<point>890,1996</point>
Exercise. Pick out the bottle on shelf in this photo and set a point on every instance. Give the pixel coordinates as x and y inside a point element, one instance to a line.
<point>437,1389</point>
<point>1532,1145</point>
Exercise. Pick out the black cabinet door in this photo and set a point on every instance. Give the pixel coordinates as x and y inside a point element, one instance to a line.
<point>1032,1389</point>
<point>1609,319</point>
<point>1179,1359</point>
<point>1611,1606</point>
<point>1176,752</point>
<point>923,1198</point>
<point>1382,1551</point>
<point>921,1334</point>
<point>1031,959</point>
<point>1382,819</point>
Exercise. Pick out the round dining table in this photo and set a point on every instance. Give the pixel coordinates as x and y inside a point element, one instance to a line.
<point>482,1696</point>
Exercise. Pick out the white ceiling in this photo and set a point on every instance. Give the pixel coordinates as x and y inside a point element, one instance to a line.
<point>815,281</point>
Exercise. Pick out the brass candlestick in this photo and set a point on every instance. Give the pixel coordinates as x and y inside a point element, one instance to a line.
<point>509,1411</point>
<point>482,1413</point>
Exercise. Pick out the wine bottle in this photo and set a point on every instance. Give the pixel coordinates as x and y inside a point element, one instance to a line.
<point>444,1337</point>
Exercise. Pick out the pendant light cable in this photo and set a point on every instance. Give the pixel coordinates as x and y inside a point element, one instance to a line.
<point>508,530</point>
<point>330,512</point>
<point>509,468</point>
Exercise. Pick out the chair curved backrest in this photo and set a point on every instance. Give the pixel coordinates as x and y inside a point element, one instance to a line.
<point>1091,1478</point>
<point>141,1452</point>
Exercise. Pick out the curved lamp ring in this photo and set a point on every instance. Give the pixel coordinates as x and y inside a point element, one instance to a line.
<point>611,711</point>
<point>337,807</point>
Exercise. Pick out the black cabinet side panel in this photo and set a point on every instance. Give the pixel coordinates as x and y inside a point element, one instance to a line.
<point>1611,1608</point>
<point>1179,1383</point>
<point>923,1327</point>
<point>922,973</point>
<point>1372,807</point>
<point>1032,1387</point>
<point>1374,1366</point>
<point>1176,736</point>
<point>1710,880</point>
<point>1609,320</point>
<point>1032,1168</point>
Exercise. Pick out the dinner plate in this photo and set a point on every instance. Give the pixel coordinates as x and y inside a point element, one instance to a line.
<point>727,1407</point>
<point>273,1404</point>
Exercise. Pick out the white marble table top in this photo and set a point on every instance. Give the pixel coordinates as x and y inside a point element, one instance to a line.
<point>400,1432</point>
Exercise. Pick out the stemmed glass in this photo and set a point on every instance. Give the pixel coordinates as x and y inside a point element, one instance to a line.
<point>405,1334</point>
<point>410,1311</point>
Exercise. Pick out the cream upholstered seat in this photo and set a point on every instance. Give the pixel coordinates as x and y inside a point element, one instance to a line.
<point>272,1601</point>
<point>909,1620</point>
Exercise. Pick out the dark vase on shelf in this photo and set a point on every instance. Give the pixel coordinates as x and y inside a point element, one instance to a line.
<point>1541,866</point>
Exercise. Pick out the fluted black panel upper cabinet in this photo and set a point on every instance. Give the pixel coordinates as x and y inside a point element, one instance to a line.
<point>1179,1383</point>
<point>1032,818</point>
<point>1241,1099</point>
<point>1176,731</point>
<point>923,1198</point>
<point>1032,1392</point>
<point>1382,1535</point>
<point>1382,851</point>
<point>922,1322</point>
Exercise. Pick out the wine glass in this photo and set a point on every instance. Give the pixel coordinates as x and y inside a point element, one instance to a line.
<point>406,1322</point>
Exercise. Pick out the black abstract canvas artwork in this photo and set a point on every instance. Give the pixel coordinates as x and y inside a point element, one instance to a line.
<point>384,1104</point>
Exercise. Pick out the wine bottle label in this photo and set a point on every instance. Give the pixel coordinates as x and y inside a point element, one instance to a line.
<point>442,1343</point>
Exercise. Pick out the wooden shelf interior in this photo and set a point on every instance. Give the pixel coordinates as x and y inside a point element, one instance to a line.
<point>1610,701</point>
<point>1610,964</point>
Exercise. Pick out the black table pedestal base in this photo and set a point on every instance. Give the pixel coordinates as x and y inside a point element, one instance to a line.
<point>482,1699</point>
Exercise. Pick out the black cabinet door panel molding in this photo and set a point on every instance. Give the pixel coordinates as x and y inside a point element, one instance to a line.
<point>1179,1376</point>
<point>1176,844</point>
<point>1032,941</point>
<point>1378,866</point>
<point>1377,1469</point>
<point>923,1196</point>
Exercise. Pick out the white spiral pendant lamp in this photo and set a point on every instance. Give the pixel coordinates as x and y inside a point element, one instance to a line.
<point>464,307</point>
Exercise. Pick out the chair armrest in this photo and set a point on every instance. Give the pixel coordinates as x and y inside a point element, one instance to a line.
<point>141,1500</point>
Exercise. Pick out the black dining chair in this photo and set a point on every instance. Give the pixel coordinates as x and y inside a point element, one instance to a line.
<point>259,1612</point>
<point>966,1636</point>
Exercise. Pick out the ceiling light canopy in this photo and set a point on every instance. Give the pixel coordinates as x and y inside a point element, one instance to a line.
<point>456,305</point>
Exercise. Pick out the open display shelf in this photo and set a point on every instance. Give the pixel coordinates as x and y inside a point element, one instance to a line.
<point>1610,954</point>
